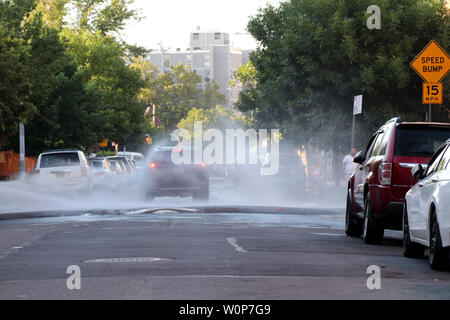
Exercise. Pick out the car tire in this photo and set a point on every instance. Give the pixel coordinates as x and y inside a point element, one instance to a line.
<point>410,249</point>
<point>353,225</point>
<point>438,256</point>
<point>372,234</point>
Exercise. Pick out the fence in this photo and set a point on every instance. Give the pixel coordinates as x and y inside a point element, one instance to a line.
<point>10,165</point>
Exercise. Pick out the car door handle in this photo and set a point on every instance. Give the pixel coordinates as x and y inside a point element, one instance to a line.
<point>421,184</point>
<point>435,180</point>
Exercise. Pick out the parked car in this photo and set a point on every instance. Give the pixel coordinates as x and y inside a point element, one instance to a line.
<point>291,175</point>
<point>135,157</point>
<point>64,170</point>
<point>377,189</point>
<point>426,217</point>
<point>118,167</point>
<point>126,162</point>
<point>168,179</point>
<point>102,174</point>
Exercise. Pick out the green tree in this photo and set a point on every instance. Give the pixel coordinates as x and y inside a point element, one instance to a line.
<point>220,118</point>
<point>315,55</point>
<point>174,93</point>
<point>105,16</point>
<point>31,55</point>
<point>101,59</point>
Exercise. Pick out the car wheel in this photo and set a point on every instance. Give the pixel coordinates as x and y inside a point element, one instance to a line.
<point>410,249</point>
<point>438,256</point>
<point>372,234</point>
<point>353,225</point>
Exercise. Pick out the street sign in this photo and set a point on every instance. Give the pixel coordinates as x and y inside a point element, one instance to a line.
<point>432,64</point>
<point>357,105</point>
<point>432,93</point>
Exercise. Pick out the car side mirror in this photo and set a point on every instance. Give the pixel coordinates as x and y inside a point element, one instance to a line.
<point>418,172</point>
<point>359,158</point>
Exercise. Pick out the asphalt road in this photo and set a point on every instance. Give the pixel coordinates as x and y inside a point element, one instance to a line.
<point>206,253</point>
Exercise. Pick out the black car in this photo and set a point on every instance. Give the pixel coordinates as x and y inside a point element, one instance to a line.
<point>291,175</point>
<point>166,178</point>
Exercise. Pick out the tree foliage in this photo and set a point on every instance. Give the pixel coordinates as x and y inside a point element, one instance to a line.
<point>218,117</point>
<point>175,93</point>
<point>71,86</point>
<point>314,56</point>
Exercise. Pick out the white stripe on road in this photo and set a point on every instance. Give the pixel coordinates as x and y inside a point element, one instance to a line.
<point>233,243</point>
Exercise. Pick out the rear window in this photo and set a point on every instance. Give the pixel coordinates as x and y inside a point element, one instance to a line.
<point>60,160</point>
<point>164,157</point>
<point>416,142</point>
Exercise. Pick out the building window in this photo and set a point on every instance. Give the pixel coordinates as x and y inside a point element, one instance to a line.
<point>217,36</point>
<point>196,36</point>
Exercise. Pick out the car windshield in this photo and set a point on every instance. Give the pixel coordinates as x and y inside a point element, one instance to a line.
<point>420,142</point>
<point>60,160</point>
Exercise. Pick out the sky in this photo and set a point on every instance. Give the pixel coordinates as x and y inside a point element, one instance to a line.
<point>171,21</point>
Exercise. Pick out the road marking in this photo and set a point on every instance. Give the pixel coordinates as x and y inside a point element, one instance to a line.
<point>329,234</point>
<point>126,260</point>
<point>233,243</point>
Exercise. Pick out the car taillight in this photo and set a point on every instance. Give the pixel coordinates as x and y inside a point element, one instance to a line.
<point>385,173</point>
<point>84,172</point>
<point>204,164</point>
<point>152,165</point>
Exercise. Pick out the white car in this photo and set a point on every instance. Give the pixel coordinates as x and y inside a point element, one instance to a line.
<point>426,217</point>
<point>64,170</point>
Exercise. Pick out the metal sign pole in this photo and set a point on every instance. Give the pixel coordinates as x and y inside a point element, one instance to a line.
<point>429,112</point>
<point>22,148</point>
<point>353,132</point>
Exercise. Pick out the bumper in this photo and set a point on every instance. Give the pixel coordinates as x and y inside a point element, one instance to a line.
<point>387,209</point>
<point>174,191</point>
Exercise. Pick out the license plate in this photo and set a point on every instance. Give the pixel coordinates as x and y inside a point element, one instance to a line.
<point>178,170</point>
<point>60,175</point>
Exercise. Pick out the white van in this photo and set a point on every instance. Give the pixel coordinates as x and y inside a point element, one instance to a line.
<point>64,170</point>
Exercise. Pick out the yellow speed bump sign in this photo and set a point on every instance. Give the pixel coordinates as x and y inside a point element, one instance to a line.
<point>432,64</point>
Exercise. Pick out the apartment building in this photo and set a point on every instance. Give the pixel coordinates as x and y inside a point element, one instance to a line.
<point>211,56</point>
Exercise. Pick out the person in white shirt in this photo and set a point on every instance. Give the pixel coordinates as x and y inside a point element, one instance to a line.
<point>349,165</point>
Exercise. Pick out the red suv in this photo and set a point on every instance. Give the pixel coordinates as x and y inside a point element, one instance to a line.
<point>377,189</point>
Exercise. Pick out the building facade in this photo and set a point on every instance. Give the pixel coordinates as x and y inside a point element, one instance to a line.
<point>211,56</point>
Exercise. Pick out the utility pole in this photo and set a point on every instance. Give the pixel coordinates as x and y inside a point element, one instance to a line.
<point>429,112</point>
<point>22,149</point>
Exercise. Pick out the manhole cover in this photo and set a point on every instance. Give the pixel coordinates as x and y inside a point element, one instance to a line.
<point>126,260</point>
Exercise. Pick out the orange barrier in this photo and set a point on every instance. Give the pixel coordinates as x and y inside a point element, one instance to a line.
<point>10,164</point>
